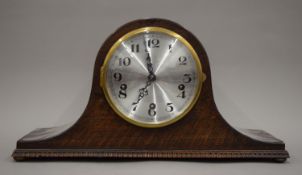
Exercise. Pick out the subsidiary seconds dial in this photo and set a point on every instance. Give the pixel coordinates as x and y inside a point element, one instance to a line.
<point>151,77</point>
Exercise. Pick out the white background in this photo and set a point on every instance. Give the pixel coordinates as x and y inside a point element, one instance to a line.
<point>48,49</point>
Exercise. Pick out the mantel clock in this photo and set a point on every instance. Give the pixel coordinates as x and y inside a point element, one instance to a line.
<point>151,98</point>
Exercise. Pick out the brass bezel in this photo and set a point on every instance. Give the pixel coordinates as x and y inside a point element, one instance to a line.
<point>104,68</point>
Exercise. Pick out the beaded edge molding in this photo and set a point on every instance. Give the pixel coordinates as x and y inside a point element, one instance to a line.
<point>21,154</point>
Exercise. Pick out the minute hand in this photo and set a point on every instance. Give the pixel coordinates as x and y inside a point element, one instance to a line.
<point>151,76</point>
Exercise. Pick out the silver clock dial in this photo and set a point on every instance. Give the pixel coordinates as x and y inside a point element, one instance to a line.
<point>152,77</point>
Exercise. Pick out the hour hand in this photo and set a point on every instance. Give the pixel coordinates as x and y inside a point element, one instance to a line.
<point>149,64</point>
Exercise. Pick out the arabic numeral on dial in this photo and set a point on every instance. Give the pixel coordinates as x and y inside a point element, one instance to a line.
<point>153,43</point>
<point>124,61</point>
<point>117,76</point>
<point>169,107</point>
<point>135,47</point>
<point>182,60</point>
<point>182,93</point>
<point>187,78</point>
<point>151,110</point>
<point>122,92</point>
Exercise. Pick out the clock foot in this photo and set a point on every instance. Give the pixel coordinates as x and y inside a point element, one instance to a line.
<point>280,160</point>
<point>19,159</point>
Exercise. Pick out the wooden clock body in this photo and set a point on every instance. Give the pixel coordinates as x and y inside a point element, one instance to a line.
<point>101,133</point>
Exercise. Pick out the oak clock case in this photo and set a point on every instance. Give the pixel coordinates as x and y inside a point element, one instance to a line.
<point>151,98</point>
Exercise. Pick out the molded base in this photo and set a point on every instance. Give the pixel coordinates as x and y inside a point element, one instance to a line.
<point>23,154</point>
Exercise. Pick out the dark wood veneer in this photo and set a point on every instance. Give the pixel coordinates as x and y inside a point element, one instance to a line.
<point>101,133</point>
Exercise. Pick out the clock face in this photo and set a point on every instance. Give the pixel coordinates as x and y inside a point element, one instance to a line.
<point>151,77</point>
